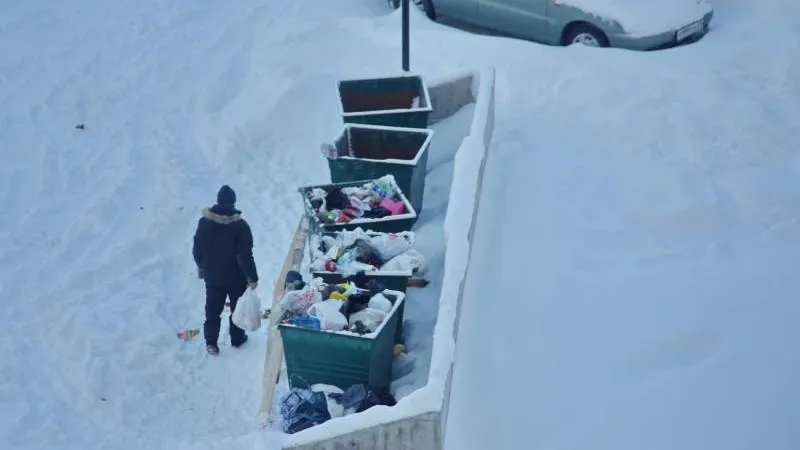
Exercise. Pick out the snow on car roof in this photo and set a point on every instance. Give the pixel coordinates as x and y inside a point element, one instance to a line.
<point>644,17</point>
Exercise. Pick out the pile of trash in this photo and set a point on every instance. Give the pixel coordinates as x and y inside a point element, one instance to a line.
<point>337,307</point>
<point>351,252</point>
<point>374,200</point>
<point>303,408</point>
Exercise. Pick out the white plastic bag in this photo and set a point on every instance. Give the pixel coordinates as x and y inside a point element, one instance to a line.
<point>370,317</point>
<point>390,245</point>
<point>334,408</point>
<point>349,237</point>
<point>247,314</point>
<point>409,260</point>
<point>330,318</point>
<point>299,301</point>
<point>379,301</point>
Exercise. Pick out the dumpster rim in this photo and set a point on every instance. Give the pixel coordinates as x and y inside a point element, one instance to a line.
<point>380,273</point>
<point>405,162</point>
<point>384,111</point>
<point>409,235</point>
<point>422,82</point>
<point>401,298</point>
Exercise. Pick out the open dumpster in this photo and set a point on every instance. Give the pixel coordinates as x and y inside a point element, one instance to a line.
<point>401,101</point>
<point>363,152</point>
<point>343,357</point>
<point>377,205</point>
<point>389,259</point>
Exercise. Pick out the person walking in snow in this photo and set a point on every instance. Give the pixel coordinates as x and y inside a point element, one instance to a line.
<point>223,252</point>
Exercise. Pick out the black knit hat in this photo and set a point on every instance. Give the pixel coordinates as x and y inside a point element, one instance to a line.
<point>226,196</point>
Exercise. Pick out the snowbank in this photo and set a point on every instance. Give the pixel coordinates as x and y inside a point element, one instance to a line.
<point>418,420</point>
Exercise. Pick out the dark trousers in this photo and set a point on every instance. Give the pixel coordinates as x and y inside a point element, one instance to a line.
<point>215,303</point>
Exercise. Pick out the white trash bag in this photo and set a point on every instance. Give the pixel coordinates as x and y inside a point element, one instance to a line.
<point>299,301</point>
<point>330,318</point>
<point>335,409</point>
<point>370,317</point>
<point>379,301</point>
<point>392,244</point>
<point>411,260</point>
<point>247,314</point>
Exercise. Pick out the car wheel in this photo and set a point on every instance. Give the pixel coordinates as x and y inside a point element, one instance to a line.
<point>586,35</point>
<point>425,6</point>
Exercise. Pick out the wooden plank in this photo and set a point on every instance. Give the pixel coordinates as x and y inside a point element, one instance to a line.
<point>417,282</point>
<point>274,354</point>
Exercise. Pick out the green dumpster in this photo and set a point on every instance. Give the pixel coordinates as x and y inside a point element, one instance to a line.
<point>401,101</point>
<point>364,152</point>
<point>394,281</point>
<point>389,224</point>
<point>342,358</point>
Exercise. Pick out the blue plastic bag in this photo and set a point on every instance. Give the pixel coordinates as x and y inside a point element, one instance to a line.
<point>303,408</point>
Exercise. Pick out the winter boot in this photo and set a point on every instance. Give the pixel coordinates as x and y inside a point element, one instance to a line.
<point>239,344</point>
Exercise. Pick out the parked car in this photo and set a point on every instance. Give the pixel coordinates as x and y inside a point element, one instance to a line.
<point>630,24</point>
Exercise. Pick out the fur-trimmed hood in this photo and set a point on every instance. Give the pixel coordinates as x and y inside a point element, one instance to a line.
<point>221,218</point>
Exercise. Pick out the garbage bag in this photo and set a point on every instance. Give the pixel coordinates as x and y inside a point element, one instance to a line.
<point>349,237</point>
<point>379,301</point>
<point>303,408</point>
<point>305,321</point>
<point>335,409</point>
<point>356,302</point>
<point>390,245</point>
<point>300,300</point>
<point>371,318</point>
<point>336,199</point>
<point>365,252</point>
<point>347,265</point>
<point>411,260</point>
<point>317,199</point>
<point>368,284</point>
<point>360,397</point>
<point>385,185</point>
<point>377,212</point>
<point>294,281</point>
<point>247,314</point>
<point>329,315</point>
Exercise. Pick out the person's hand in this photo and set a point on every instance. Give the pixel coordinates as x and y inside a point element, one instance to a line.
<point>253,285</point>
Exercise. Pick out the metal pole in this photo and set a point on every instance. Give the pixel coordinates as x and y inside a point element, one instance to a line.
<point>406,32</point>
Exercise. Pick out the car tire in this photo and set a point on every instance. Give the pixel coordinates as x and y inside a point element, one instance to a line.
<point>430,11</point>
<point>586,35</point>
<point>425,5</point>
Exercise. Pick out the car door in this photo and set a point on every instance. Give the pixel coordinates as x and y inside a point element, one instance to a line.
<point>461,10</point>
<point>524,18</point>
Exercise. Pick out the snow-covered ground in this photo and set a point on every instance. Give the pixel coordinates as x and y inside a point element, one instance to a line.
<point>634,279</point>
<point>638,295</point>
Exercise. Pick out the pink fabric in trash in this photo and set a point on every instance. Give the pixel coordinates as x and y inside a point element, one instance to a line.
<point>394,207</point>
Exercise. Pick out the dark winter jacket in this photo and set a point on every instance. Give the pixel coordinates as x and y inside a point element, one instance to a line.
<point>223,247</point>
